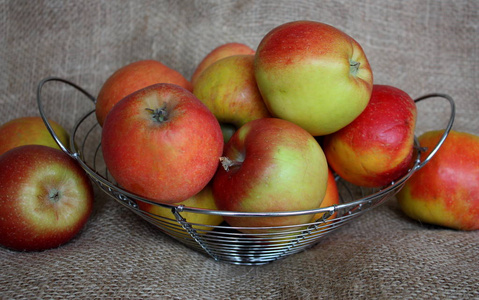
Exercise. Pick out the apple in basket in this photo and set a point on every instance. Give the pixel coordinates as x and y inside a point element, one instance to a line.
<point>445,191</point>
<point>228,88</point>
<point>28,131</point>
<point>133,77</point>
<point>46,198</point>
<point>198,220</point>
<point>162,143</point>
<point>313,75</point>
<point>377,147</point>
<point>218,53</point>
<point>330,198</point>
<point>270,165</point>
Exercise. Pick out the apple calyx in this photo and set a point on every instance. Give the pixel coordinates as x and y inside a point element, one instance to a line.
<point>228,163</point>
<point>54,195</point>
<point>160,115</point>
<point>354,67</point>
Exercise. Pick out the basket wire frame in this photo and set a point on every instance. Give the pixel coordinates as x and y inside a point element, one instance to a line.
<point>259,245</point>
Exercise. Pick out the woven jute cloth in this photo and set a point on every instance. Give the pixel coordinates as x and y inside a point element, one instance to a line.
<point>419,46</point>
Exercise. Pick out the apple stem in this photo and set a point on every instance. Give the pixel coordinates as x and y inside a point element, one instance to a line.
<point>54,195</point>
<point>160,115</point>
<point>228,163</point>
<point>354,67</point>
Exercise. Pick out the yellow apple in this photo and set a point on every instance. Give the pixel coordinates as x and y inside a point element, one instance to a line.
<point>204,200</point>
<point>28,131</point>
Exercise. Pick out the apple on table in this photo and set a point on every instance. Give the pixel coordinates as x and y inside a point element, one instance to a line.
<point>46,198</point>
<point>313,75</point>
<point>30,130</point>
<point>162,143</point>
<point>270,165</point>
<point>131,78</point>
<point>445,191</point>
<point>377,147</point>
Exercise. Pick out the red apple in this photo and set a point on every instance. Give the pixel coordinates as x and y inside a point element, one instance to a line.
<point>313,75</point>
<point>218,53</point>
<point>28,131</point>
<point>162,143</point>
<point>199,221</point>
<point>228,88</point>
<point>131,78</point>
<point>377,147</point>
<point>46,198</point>
<point>445,191</point>
<point>270,165</point>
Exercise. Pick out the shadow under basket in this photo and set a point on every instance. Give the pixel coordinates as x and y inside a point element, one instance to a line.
<point>259,245</point>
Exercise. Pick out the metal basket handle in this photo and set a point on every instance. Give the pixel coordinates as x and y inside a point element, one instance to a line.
<point>447,129</point>
<point>42,113</point>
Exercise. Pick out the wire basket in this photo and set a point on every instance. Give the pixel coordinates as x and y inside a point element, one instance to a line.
<point>257,245</point>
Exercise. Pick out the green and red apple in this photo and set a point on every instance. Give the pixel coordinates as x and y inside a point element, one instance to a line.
<point>131,78</point>
<point>313,75</point>
<point>445,191</point>
<point>162,143</point>
<point>377,147</point>
<point>270,165</point>
<point>30,130</point>
<point>218,53</point>
<point>46,198</point>
<point>228,88</point>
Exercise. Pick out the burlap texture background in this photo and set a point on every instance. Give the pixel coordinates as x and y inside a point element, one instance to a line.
<point>418,46</point>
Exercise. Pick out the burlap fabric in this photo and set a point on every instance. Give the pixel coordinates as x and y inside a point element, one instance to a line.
<point>418,46</point>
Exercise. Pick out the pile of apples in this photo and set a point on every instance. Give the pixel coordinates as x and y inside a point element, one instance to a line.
<point>253,131</point>
<point>263,130</point>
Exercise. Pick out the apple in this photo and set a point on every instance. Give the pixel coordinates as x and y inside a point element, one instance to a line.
<point>46,198</point>
<point>270,165</point>
<point>203,200</point>
<point>445,191</point>
<point>30,130</point>
<point>162,143</point>
<point>330,198</point>
<point>377,147</point>
<point>228,88</point>
<point>218,53</point>
<point>131,78</point>
<point>313,75</point>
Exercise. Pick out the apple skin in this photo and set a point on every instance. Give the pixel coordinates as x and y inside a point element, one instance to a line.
<point>166,161</point>
<point>228,88</point>
<point>445,191</point>
<point>274,166</point>
<point>218,53</point>
<point>30,130</point>
<point>204,200</point>
<point>313,75</point>
<point>377,147</point>
<point>30,219</point>
<point>330,198</point>
<point>131,78</point>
